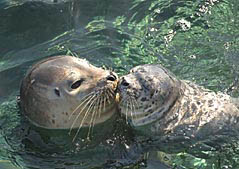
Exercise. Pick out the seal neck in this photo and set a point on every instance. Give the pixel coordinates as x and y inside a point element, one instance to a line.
<point>173,114</point>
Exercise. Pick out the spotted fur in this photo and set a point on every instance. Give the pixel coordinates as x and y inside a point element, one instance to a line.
<point>152,96</point>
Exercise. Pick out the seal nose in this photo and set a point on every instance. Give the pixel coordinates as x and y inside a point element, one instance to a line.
<point>112,77</point>
<point>124,82</point>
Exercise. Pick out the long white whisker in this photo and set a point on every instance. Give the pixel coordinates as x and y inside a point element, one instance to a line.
<point>89,96</point>
<point>136,103</point>
<point>95,109</point>
<point>111,93</point>
<point>127,109</point>
<point>131,109</point>
<point>133,104</point>
<point>72,126</point>
<point>82,122</point>
<point>94,115</point>
<point>108,97</point>
<point>100,103</point>
<point>104,102</point>
<point>92,122</point>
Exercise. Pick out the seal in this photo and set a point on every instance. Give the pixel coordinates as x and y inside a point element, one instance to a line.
<point>162,107</point>
<point>65,92</point>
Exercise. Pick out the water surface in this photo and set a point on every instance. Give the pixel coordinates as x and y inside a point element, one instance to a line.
<point>196,40</point>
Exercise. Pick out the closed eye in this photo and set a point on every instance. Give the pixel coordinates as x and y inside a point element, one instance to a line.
<point>77,83</point>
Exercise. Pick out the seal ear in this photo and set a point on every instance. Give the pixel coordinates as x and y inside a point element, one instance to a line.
<point>57,91</point>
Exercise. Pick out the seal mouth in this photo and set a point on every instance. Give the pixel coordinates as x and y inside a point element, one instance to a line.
<point>128,105</point>
<point>99,101</point>
<point>118,92</point>
<point>131,105</point>
<point>132,110</point>
<point>96,107</point>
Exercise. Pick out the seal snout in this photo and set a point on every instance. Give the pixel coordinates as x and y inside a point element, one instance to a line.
<point>112,77</point>
<point>112,80</point>
<point>124,82</point>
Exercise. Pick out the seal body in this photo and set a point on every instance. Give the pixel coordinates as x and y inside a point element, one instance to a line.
<point>65,92</point>
<point>161,106</point>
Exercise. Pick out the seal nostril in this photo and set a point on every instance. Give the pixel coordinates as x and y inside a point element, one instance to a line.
<point>124,83</point>
<point>111,77</point>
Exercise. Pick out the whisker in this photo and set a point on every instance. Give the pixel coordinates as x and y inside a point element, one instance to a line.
<point>108,97</point>
<point>100,103</point>
<point>92,104</point>
<point>135,101</point>
<point>94,116</point>
<point>131,109</point>
<point>87,97</point>
<point>127,112</point>
<point>82,122</point>
<point>133,104</point>
<point>72,126</point>
<point>97,111</point>
<point>111,93</point>
<point>92,120</point>
<point>104,100</point>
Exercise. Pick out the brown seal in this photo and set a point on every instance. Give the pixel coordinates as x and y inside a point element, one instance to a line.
<point>65,92</point>
<point>156,103</point>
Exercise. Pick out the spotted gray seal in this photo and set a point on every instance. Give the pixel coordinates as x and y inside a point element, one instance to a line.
<point>65,92</point>
<point>156,103</point>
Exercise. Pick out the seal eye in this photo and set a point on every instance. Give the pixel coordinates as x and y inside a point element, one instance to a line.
<point>77,84</point>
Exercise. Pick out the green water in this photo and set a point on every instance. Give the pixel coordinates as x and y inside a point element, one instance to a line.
<point>196,40</point>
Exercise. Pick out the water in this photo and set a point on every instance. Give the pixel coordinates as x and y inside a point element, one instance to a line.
<point>197,40</point>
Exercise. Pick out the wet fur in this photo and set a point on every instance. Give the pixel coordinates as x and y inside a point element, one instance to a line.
<point>192,113</point>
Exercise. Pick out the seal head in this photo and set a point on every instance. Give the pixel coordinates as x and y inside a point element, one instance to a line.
<point>147,93</point>
<point>65,92</point>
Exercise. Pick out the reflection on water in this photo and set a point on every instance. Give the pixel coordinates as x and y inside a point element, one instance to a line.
<point>197,40</point>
